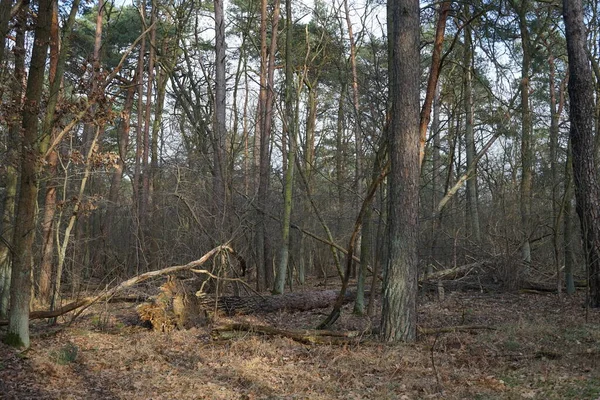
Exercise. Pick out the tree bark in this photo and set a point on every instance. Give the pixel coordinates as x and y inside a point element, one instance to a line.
<point>290,131</point>
<point>399,315</point>
<point>526,137</point>
<point>472,203</point>
<point>220,127</point>
<point>20,290</point>
<point>12,158</point>
<point>434,73</point>
<point>581,95</point>
<point>264,267</point>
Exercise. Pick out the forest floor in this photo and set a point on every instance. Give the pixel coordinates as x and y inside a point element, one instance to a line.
<point>541,348</point>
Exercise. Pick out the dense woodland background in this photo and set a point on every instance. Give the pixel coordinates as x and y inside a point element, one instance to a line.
<point>157,136</point>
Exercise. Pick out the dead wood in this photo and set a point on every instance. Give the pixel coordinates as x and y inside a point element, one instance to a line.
<point>177,306</point>
<point>453,273</point>
<point>449,329</point>
<point>313,336</point>
<point>540,287</point>
<point>86,302</point>
<point>306,336</point>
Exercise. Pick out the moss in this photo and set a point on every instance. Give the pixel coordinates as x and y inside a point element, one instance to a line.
<point>13,339</point>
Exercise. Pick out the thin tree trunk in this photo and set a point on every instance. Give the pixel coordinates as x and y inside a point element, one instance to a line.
<point>568,237</point>
<point>472,202</point>
<point>355,103</point>
<point>434,74</point>
<point>265,269</point>
<point>290,131</point>
<point>62,251</point>
<point>220,127</point>
<point>137,214</point>
<point>526,137</point>
<point>146,195</point>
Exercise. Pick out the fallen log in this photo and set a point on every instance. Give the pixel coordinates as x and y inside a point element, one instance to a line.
<point>453,273</point>
<point>312,336</point>
<point>306,336</point>
<point>88,301</point>
<point>178,307</point>
<point>451,329</point>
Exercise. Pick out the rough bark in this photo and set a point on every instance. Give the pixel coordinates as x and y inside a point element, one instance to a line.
<point>581,96</point>
<point>472,203</point>
<point>290,131</point>
<point>399,315</point>
<point>220,127</point>
<point>14,144</point>
<point>20,290</point>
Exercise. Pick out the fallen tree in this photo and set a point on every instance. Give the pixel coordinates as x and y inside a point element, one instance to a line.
<point>88,301</point>
<point>314,336</point>
<point>178,305</point>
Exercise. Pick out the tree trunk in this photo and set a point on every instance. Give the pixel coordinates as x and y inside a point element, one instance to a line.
<point>55,77</point>
<point>434,73</point>
<point>20,290</point>
<point>568,237</point>
<point>581,95</point>
<point>220,127</point>
<point>12,158</point>
<point>399,315</point>
<point>265,268</point>
<point>290,131</point>
<point>526,137</point>
<point>472,203</point>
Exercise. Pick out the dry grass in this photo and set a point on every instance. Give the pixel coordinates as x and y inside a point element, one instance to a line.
<point>542,349</point>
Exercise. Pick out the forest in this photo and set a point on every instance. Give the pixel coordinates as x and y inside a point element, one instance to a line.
<point>313,199</point>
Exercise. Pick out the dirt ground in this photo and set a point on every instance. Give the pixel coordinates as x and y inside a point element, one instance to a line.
<point>540,348</point>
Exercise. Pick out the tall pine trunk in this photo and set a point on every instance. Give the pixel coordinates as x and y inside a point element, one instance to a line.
<point>581,96</point>
<point>399,315</point>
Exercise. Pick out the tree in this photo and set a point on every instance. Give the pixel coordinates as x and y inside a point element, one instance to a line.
<point>20,290</point>
<point>220,130</point>
<point>399,315</point>
<point>581,105</point>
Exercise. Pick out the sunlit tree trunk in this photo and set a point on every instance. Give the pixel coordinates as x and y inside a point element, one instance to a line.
<point>46,263</point>
<point>399,315</point>
<point>20,289</point>
<point>434,73</point>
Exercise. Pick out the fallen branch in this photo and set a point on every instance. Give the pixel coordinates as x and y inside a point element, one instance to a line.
<point>452,273</point>
<point>88,301</point>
